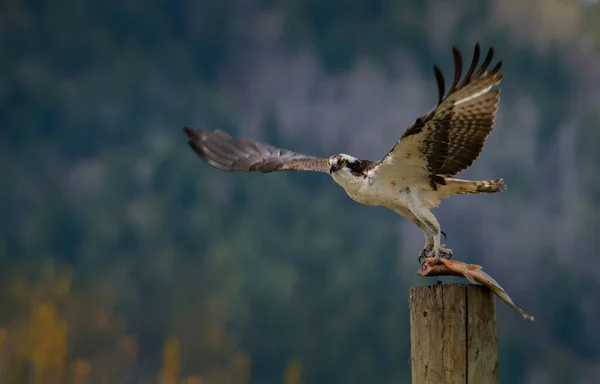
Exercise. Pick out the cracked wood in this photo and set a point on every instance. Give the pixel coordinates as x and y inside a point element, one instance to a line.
<point>453,334</point>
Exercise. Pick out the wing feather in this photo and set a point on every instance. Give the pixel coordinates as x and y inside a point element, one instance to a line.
<point>449,139</point>
<point>227,153</point>
<point>457,69</point>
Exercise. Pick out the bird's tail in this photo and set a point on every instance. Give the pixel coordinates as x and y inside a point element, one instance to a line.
<point>458,186</point>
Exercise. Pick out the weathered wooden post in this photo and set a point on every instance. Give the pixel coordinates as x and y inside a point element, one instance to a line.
<point>453,334</point>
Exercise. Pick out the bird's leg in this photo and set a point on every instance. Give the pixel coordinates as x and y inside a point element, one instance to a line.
<point>438,248</point>
<point>427,218</point>
<point>428,239</point>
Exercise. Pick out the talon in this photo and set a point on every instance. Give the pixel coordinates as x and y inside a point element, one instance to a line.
<point>445,251</point>
<point>441,251</point>
<point>422,256</point>
<point>425,252</point>
<point>444,233</point>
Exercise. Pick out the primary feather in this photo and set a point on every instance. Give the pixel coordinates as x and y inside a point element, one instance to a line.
<point>243,155</point>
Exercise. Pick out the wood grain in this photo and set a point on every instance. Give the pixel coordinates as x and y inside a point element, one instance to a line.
<point>453,334</point>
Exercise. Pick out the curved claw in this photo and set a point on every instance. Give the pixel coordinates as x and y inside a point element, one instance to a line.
<point>422,256</point>
<point>442,251</point>
<point>445,252</point>
<point>425,253</point>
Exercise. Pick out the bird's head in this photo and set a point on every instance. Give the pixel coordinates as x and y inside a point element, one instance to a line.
<point>339,162</point>
<point>345,166</point>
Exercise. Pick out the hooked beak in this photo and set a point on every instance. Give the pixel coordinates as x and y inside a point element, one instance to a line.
<point>334,168</point>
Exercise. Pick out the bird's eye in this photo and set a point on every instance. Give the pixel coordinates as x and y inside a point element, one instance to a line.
<point>343,162</point>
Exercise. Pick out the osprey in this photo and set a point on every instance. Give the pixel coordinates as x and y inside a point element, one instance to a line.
<point>415,174</point>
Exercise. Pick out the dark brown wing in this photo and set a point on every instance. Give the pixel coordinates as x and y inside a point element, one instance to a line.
<point>243,155</point>
<point>449,138</point>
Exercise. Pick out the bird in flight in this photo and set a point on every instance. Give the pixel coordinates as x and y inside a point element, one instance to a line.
<point>415,174</point>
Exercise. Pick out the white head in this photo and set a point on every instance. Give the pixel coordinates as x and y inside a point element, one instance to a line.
<point>345,168</point>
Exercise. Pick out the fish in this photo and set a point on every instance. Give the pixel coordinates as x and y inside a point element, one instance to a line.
<point>472,272</point>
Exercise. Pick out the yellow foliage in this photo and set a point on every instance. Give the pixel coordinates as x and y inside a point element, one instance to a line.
<point>293,373</point>
<point>37,346</point>
<point>48,334</point>
<point>171,361</point>
<point>52,324</point>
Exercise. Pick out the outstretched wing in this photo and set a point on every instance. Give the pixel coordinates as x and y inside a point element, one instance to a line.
<point>448,139</point>
<point>243,155</point>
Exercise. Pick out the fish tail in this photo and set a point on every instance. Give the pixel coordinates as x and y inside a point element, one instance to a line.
<point>504,297</point>
<point>525,315</point>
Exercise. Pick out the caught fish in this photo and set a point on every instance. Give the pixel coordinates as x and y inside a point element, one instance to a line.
<point>472,272</point>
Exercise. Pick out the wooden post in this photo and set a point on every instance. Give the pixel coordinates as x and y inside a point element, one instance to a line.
<point>453,334</point>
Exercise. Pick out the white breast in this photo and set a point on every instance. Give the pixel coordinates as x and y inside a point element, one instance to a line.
<point>367,190</point>
<point>381,190</point>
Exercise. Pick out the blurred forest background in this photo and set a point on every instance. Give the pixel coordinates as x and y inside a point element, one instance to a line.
<point>125,259</point>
